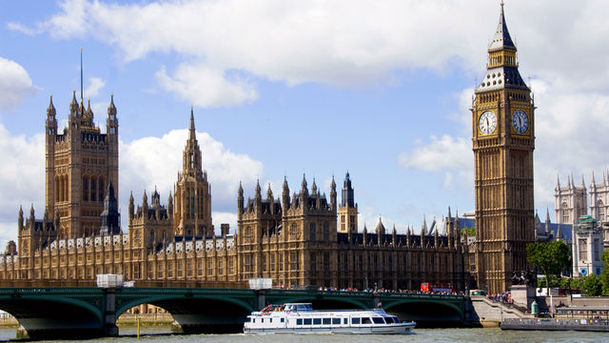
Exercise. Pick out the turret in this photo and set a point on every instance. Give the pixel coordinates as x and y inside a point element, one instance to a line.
<point>20,219</point>
<point>285,194</point>
<point>74,116</point>
<point>112,121</point>
<point>145,202</point>
<point>333,194</point>
<point>258,197</point>
<point>240,199</point>
<point>131,207</point>
<point>170,206</point>
<point>304,191</point>
<point>314,187</point>
<point>32,218</point>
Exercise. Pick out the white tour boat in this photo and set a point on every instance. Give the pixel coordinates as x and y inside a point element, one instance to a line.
<point>300,318</point>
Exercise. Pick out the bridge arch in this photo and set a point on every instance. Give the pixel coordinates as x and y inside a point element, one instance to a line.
<point>427,312</point>
<point>56,316</point>
<point>197,313</point>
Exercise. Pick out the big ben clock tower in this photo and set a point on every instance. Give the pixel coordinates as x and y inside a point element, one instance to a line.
<point>503,141</point>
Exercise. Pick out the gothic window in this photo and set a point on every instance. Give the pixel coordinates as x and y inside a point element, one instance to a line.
<point>596,253</point>
<point>272,262</point>
<point>294,230</point>
<point>565,212</point>
<point>220,267</point>
<point>327,261</point>
<point>57,188</point>
<point>93,190</point>
<point>280,261</point>
<point>312,231</point>
<point>583,249</point>
<point>601,211</point>
<point>248,233</point>
<point>247,263</point>
<point>85,189</point>
<point>101,189</point>
<point>326,232</point>
<point>294,261</point>
<point>264,263</point>
<point>210,267</point>
<point>231,266</point>
<point>313,263</point>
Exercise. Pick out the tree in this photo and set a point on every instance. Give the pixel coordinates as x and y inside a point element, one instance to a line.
<point>605,273</point>
<point>592,285</point>
<point>550,258</point>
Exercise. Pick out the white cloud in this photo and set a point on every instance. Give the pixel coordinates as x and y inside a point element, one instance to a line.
<point>15,84</point>
<point>95,85</point>
<point>152,161</point>
<point>21,179</point>
<point>442,153</point>
<point>207,87</point>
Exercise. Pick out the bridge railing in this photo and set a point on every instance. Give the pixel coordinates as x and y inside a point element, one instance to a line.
<point>46,283</point>
<point>189,284</point>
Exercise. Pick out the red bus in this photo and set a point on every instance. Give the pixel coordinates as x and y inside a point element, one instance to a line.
<point>437,287</point>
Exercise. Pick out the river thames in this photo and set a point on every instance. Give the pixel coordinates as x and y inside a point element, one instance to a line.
<point>419,336</point>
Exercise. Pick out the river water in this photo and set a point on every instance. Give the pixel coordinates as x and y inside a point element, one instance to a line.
<point>419,336</point>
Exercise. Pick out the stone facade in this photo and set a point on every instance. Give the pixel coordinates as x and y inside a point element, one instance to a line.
<point>503,142</point>
<point>293,239</point>
<point>571,201</point>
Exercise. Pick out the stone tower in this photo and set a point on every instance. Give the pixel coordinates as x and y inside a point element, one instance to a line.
<point>570,202</point>
<point>503,143</point>
<point>80,162</point>
<point>347,211</point>
<point>192,216</point>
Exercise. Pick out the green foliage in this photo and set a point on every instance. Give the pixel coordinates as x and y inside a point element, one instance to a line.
<point>471,231</point>
<point>553,281</point>
<point>565,283</point>
<point>605,258</point>
<point>550,258</point>
<point>592,285</point>
<point>577,283</point>
<point>605,279</point>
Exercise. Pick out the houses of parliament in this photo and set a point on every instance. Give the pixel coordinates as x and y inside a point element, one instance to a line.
<point>298,236</point>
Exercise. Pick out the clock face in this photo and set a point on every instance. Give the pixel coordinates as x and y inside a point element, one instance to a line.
<point>520,121</point>
<point>487,123</point>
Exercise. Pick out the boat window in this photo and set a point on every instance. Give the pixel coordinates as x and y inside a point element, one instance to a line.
<point>299,321</point>
<point>248,319</point>
<point>378,320</point>
<point>327,321</point>
<point>354,320</point>
<point>366,320</point>
<point>316,321</point>
<point>336,321</point>
<point>282,320</point>
<point>262,320</point>
<point>307,321</point>
<point>396,320</point>
<point>345,321</point>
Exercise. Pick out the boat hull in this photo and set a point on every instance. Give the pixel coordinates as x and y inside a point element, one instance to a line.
<point>369,330</point>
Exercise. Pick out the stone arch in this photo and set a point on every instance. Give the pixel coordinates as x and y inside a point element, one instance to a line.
<point>57,317</point>
<point>198,313</point>
<point>426,313</point>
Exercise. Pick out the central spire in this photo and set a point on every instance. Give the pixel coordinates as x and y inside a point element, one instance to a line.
<point>192,153</point>
<point>192,133</point>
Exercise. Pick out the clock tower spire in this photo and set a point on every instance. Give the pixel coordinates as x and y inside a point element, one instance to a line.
<point>503,144</point>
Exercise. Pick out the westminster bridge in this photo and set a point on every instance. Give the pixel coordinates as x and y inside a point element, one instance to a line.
<point>74,312</point>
